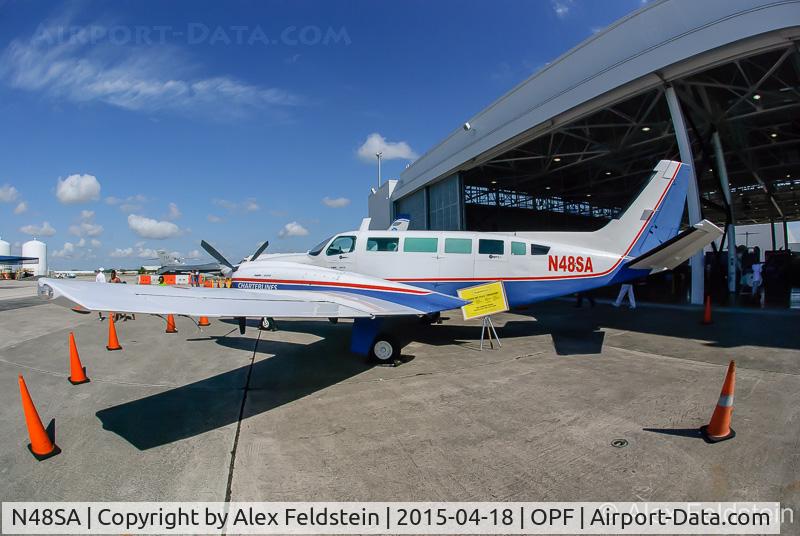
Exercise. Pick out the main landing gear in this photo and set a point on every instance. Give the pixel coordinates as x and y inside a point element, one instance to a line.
<point>384,349</point>
<point>368,339</point>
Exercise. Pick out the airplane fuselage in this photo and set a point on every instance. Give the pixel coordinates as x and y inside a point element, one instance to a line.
<point>533,268</point>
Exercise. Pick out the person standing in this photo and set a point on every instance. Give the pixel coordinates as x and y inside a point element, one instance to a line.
<point>626,288</point>
<point>99,277</point>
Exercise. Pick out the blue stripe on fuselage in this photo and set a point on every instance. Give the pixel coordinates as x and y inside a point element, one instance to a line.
<point>424,303</point>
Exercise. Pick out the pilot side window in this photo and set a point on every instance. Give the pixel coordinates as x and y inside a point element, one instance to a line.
<point>420,245</point>
<point>382,244</point>
<point>491,247</point>
<point>342,244</point>
<point>536,249</point>
<point>316,250</point>
<point>518,248</point>
<point>458,245</point>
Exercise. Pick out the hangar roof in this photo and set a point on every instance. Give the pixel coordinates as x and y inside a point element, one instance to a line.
<point>663,41</point>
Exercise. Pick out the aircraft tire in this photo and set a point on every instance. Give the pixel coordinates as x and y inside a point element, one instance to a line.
<point>384,349</point>
<point>267,324</point>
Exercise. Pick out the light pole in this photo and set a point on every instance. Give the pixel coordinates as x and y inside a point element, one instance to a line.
<point>379,155</point>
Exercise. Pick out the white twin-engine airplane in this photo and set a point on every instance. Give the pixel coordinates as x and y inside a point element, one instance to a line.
<point>370,276</point>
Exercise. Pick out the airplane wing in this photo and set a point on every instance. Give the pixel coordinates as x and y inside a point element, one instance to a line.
<point>230,302</point>
<point>676,250</point>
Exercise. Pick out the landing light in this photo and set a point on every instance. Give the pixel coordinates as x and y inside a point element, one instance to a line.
<point>608,173</point>
<point>756,97</point>
<point>773,135</point>
<point>556,159</point>
<point>645,129</point>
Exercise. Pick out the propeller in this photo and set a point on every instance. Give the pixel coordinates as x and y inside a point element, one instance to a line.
<point>260,250</point>
<point>225,262</point>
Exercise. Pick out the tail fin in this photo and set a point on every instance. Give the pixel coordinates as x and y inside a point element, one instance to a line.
<point>653,218</point>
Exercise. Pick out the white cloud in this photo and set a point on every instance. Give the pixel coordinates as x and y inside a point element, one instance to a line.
<point>561,7</point>
<point>150,228</point>
<point>67,251</point>
<point>134,251</point>
<point>120,253</point>
<point>174,212</point>
<point>130,207</point>
<point>213,219</point>
<point>45,229</point>
<point>392,150</point>
<point>86,228</point>
<point>8,194</point>
<point>78,189</point>
<point>224,203</point>
<point>292,229</point>
<point>96,243</point>
<point>194,254</point>
<point>80,69</point>
<point>248,205</point>
<point>21,207</point>
<point>335,202</point>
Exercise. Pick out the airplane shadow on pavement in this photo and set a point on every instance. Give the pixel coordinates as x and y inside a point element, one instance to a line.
<point>291,372</point>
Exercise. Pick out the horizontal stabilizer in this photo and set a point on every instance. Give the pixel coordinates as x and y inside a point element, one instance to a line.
<point>676,250</point>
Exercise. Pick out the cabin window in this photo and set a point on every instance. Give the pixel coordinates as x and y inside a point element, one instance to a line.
<point>518,248</point>
<point>491,247</point>
<point>536,249</point>
<point>316,250</point>
<point>458,245</point>
<point>420,245</point>
<point>382,244</point>
<point>341,244</point>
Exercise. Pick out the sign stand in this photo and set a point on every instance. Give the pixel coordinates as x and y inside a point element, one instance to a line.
<point>488,328</point>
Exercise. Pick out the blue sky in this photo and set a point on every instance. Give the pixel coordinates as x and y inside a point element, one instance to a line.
<point>134,126</point>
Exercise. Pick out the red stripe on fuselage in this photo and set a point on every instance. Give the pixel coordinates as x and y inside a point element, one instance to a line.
<point>550,277</point>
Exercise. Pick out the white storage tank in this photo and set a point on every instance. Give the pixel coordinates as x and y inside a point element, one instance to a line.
<point>5,249</point>
<point>35,248</point>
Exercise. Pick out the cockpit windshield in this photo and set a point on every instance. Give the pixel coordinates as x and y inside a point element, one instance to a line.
<point>316,250</point>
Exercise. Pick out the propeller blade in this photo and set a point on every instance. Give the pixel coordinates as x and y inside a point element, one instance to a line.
<point>216,254</point>
<point>260,250</point>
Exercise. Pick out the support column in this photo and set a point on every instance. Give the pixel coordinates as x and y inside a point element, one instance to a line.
<point>719,156</point>
<point>785,235</point>
<point>697,262</point>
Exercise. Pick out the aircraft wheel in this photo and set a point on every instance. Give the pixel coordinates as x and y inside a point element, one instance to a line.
<point>333,320</point>
<point>268,324</point>
<point>385,349</point>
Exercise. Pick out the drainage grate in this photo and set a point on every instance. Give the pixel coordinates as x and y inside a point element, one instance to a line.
<point>619,443</point>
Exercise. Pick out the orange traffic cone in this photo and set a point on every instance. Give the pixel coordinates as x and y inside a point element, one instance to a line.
<point>719,429</point>
<point>707,311</point>
<point>41,445</point>
<point>77,372</point>
<point>203,322</point>
<point>171,324</point>
<point>113,342</point>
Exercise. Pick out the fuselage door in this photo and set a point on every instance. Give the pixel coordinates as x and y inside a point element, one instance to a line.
<point>340,254</point>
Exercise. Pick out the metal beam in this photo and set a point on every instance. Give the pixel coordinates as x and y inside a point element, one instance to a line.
<point>722,169</point>
<point>693,196</point>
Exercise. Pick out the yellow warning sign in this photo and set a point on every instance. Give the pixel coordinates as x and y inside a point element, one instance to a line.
<point>486,299</point>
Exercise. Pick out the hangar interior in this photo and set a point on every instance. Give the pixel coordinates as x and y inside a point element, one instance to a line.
<point>570,147</point>
<point>579,175</point>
